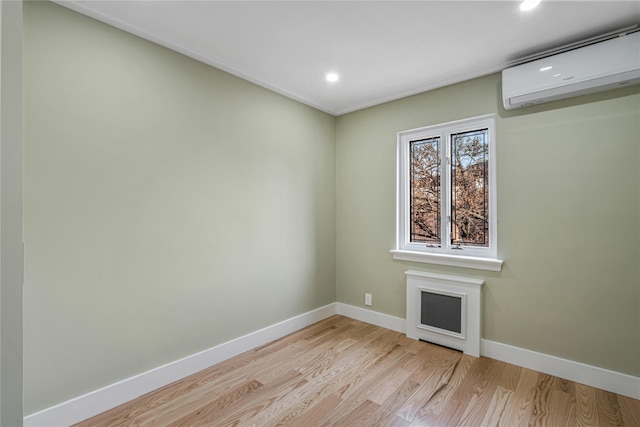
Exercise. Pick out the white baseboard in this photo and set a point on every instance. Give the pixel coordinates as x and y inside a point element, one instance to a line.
<point>593,376</point>
<point>98,401</point>
<point>373,317</point>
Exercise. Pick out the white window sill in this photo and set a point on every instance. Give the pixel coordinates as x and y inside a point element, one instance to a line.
<point>490,264</point>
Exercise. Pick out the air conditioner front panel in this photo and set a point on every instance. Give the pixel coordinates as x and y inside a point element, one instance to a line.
<point>575,89</point>
<point>593,68</point>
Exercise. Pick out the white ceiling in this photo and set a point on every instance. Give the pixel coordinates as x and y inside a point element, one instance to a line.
<point>382,50</point>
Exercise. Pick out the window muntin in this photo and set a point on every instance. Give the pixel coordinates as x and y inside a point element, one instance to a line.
<point>446,188</point>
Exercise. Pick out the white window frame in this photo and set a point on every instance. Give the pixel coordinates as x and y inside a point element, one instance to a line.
<point>484,258</point>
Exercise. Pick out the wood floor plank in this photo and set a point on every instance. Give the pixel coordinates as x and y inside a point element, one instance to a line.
<point>519,407</point>
<point>413,346</point>
<point>630,410</point>
<point>213,408</point>
<point>309,414</point>
<point>564,385</point>
<point>263,406</point>
<point>458,402</point>
<point>608,409</point>
<point>397,421</point>
<point>344,372</point>
<point>319,370</point>
<point>179,406</point>
<point>433,374</point>
<point>360,416</point>
<point>350,366</point>
<point>377,374</point>
<point>562,409</point>
<point>506,377</point>
<point>352,396</point>
<point>389,409</point>
<point>509,378</point>
<point>281,360</point>
<point>354,392</point>
<point>497,407</point>
<point>486,393</point>
<point>433,410</point>
<point>540,407</point>
<point>395,378</point>
<point>355,379</point>
<point>586,410</point>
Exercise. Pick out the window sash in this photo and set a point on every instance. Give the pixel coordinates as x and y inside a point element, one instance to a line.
<point>429,204</point>
<point>466,226</point>
<point>445,133</point>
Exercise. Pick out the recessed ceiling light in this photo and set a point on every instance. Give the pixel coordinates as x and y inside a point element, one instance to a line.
<point>529,4</point>
<point>332,77</point>
<point>547,68</point>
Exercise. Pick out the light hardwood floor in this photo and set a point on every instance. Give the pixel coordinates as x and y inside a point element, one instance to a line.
<point>344,372</point>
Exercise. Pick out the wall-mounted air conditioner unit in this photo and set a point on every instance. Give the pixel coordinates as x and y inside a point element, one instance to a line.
<point>601,66</point>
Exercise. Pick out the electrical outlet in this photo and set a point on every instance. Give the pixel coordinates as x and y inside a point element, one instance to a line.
<point>367,299</point>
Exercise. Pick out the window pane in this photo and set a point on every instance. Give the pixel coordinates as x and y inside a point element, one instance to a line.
<point>469,188</point>
<point>425,191</point>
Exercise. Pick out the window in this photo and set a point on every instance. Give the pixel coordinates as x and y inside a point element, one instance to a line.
<point>446,194</point>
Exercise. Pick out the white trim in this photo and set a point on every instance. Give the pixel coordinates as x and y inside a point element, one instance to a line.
<point>443,133</point>
<point>593,376</point>
<point>470,291</point>
<point>454,280</point>
<point>477,263</point>
<point>394,323</point>
<point>103,399</point>
<point>98,401</point>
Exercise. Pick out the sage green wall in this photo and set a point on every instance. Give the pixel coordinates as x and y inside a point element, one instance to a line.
<point>168,206</point>
<point>568,218</point>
